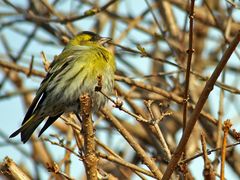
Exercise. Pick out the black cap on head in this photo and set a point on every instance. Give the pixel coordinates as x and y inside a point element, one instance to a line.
<point>94,36</point>
<point>89,33</point>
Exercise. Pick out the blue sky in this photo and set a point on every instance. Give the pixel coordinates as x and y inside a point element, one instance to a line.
<point>12,110</point>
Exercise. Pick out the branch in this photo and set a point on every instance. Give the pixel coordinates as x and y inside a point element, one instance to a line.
<point>203,98</point>
<point>11,170</point>
<point>90,159</point>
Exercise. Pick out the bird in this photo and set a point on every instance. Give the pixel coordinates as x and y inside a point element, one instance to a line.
<point>72,73</point>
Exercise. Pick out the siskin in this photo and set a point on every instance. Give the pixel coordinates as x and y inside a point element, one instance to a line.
<point>73,73</point>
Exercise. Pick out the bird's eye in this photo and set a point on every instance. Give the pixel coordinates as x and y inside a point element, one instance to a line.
<point>95,38</point>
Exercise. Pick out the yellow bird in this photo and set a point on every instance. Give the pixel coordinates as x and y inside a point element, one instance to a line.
<point>73,73</point>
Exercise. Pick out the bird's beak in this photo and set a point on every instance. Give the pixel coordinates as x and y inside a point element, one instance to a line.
<point>104,40</point>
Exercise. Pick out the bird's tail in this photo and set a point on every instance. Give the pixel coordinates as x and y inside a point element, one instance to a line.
<point>28,128</point>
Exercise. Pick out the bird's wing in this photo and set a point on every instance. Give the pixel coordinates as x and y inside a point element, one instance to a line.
<point>40,96</point>
<point>57,66</point>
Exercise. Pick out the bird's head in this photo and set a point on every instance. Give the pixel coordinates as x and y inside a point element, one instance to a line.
<point>88,38</point>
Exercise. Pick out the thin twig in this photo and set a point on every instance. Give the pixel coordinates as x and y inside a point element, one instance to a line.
<point>190,52</point>
<point>141,153</point>
<point>208,170</point>
<point>227,126</point>
<point>208,152</point>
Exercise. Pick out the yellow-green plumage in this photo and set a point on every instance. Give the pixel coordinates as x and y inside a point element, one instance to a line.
<point>73,73</point>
